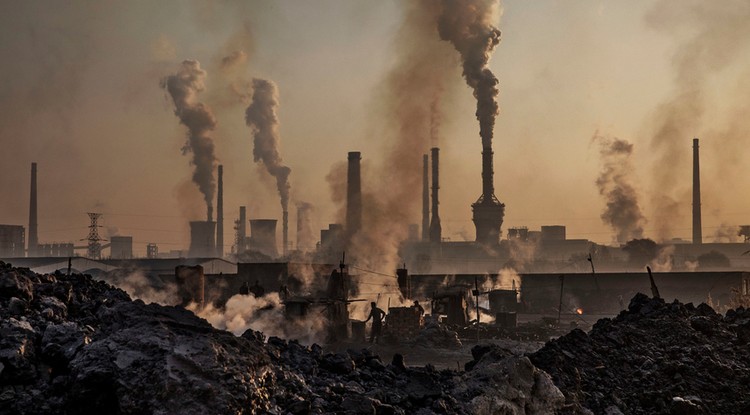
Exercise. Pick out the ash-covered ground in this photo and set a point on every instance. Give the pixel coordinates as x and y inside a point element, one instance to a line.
<point>71,345</point>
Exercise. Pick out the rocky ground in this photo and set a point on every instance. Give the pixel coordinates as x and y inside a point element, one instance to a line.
<point>655,358</point>
<point>71,345</point>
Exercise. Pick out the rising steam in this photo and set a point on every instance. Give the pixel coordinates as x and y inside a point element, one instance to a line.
<point>468,25</point>
<point>622,211</point>
<point>261,117</point>
<point>184,87</point>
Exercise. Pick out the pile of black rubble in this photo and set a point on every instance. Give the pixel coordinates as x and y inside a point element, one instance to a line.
<point>655,357</point>
<point>72,345</point>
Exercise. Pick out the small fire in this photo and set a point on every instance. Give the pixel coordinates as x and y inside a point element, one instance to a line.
<point>579,310</point>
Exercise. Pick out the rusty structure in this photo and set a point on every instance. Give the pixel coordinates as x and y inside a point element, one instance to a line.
<point>488,212</point>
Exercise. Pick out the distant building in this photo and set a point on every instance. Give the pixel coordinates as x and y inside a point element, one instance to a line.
<point>121,247</point>
<point>12,241</point>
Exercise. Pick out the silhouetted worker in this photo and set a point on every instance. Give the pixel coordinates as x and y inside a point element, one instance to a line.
<point>418,307</point>
<point>284,292</point>
<point>257,290</point>
<point>245,289</point>
<point>376,315</point>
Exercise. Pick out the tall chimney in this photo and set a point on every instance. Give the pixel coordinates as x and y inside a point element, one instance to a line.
<point>242,230</point>
<point>33,236</point>
<point>220,214</point>
<point>353,195</point>
<point>285,231</point>
<point>425,198</point>
<point>435,228</point>
<point>697,230</point>
<point>488,212</point>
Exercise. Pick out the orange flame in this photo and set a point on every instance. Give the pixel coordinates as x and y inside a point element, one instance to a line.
<point>579,311</point>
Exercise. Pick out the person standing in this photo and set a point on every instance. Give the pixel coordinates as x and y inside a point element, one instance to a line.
<point>377,315</point>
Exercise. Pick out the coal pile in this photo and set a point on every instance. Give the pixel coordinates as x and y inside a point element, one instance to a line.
<point>655,357</point>
<point>72,345</point>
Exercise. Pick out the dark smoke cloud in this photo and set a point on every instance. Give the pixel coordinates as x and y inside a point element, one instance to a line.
<point>468,25</point>
<point>622,211</point>
<point>711,37</point>
<point>184,87</point>
<point>261,117</point>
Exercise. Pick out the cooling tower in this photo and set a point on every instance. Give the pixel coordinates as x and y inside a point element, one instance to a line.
<point>697,229</point>
<point>33,229</point>
<point>202,239</point>
<point>353,195</point>
<point>121,247</point>
<point>263,236</point>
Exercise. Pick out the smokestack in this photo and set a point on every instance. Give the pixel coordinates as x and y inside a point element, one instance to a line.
<point>425,198</point>
<point>285,231</point>
<point>435,228</point>
<point>220,214</point>
<point>353,195</point>
<point>33,236</point>
<point>241,230</point>
<point>488,212</point>
<point>697,230</point>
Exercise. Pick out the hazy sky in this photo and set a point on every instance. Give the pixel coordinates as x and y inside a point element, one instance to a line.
<point>80,94</point>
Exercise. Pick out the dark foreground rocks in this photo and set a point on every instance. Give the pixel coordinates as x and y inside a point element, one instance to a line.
<point>655,358</point>
<point>71,345</point>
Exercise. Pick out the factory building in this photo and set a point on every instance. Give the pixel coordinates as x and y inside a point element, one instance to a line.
<point>12,240</point>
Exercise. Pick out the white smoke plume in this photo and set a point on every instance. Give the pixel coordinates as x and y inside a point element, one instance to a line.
<point>261,116</point>
<point>726,234</point>
<point>469,26</point>
<point>622,211</point>
<point>146,289</point>
<point>264,314</point>
<point>184,87</point>
<point>664,259</point>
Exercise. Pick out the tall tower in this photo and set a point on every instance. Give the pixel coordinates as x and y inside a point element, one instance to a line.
<point>220,214</point>
<point>425,198</point>
<point>33,226</point>
<point>488,212</point>
<point>435,229</point>
<point>353,195</point>
<point>94,241</point>
<point>697,230</point>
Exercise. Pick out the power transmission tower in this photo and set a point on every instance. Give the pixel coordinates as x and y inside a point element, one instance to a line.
<point>94,246</point>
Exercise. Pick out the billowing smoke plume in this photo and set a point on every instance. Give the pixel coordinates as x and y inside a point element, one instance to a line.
<point>622,211</point>
<point>184,87</point>
<point>407,122</point>
<point>468,25</point>
<point>261,117</point>
<point>712,38</point>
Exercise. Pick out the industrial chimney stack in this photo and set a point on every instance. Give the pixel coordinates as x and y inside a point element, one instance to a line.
<point>220,215</point>
<point>697,230</point>
<point>435,228</point>
<point>488,212</point>
<point>353,195</point>
<point>33,235</point>
<point>425,198</point>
